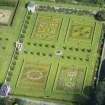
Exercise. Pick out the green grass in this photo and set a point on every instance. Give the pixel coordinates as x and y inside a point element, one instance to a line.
<point>38,51</point>
<point>63,76</point>
<point>11,33</point>
<point>48,25</point>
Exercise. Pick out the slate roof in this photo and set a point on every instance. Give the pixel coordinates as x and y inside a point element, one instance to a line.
<point>4,90</point>
<point>31,4</point>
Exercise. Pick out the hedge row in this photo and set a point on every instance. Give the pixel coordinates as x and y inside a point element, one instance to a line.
<point>66,10</point>
<point>8,2</point>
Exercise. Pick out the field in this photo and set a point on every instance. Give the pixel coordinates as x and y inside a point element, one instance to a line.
<point>56,60</point>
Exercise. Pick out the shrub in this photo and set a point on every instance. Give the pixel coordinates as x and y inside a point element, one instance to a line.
<point>14,62</point>
<point>28,17</point>
<point>17,52</point>
<point>3,47</point>
<point>46,45</point>
<point>83,50</point>
<point>25,26</point>
<point>9,78</point>
<point>10,73</point>
<point>27,22</point>
<point>24,30</point>
<point>6,39</point>
<point>81,59</point>
<point>40,45</point>
<point>16,57</point>
<point>12,67</point>
<point>38,53</point>
<point>25,52</point>
<point>63,57</point>
<point>76,49</point>
<point>44,54</point>
<point>52,46</point>
<point>68,57</point>
<point>100,15</point>
<point>89,50</point>
<point>64,47</point>
<point>29,43</point>
<point>34,44</point>
<point>0,38</point>
<point>50,55</point>
<point>22,35</point>
<point>70,48</point>
<point>21,40</point>
<point>32,53</point>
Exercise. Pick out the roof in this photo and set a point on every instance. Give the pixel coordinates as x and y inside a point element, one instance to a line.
<point>31,4</point>
<point>4,89</point>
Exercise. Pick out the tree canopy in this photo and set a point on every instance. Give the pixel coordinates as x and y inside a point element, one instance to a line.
<point>100,15</point>
<point>100,94</point>
<point>85,1</point>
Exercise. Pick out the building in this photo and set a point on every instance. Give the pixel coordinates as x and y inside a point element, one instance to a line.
<point>31,6</point>
<point>4,90</point>
<point>18,46</point>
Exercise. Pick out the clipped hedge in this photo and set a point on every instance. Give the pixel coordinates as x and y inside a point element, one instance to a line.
<point>8,2</point>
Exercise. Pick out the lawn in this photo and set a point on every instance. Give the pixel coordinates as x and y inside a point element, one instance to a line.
<point>8,35</point>
<point>58,57</point>
<point>40,72</point>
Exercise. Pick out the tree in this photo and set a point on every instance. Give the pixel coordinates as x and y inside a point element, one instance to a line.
<point>100,15</point>
<point>100,93</point>
<point>101,2</point>
<point>6,101</point>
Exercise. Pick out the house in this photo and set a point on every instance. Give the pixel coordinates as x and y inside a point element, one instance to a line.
<point>4,90</point>
<point>31,6</point>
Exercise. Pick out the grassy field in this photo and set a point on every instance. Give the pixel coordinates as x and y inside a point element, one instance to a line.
<point>41,72</point>
<point>56,61</point>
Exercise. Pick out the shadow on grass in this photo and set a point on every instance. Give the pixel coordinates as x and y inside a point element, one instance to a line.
<point>86,97</point>
<point>102,71</point>
<point>1,84</point>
